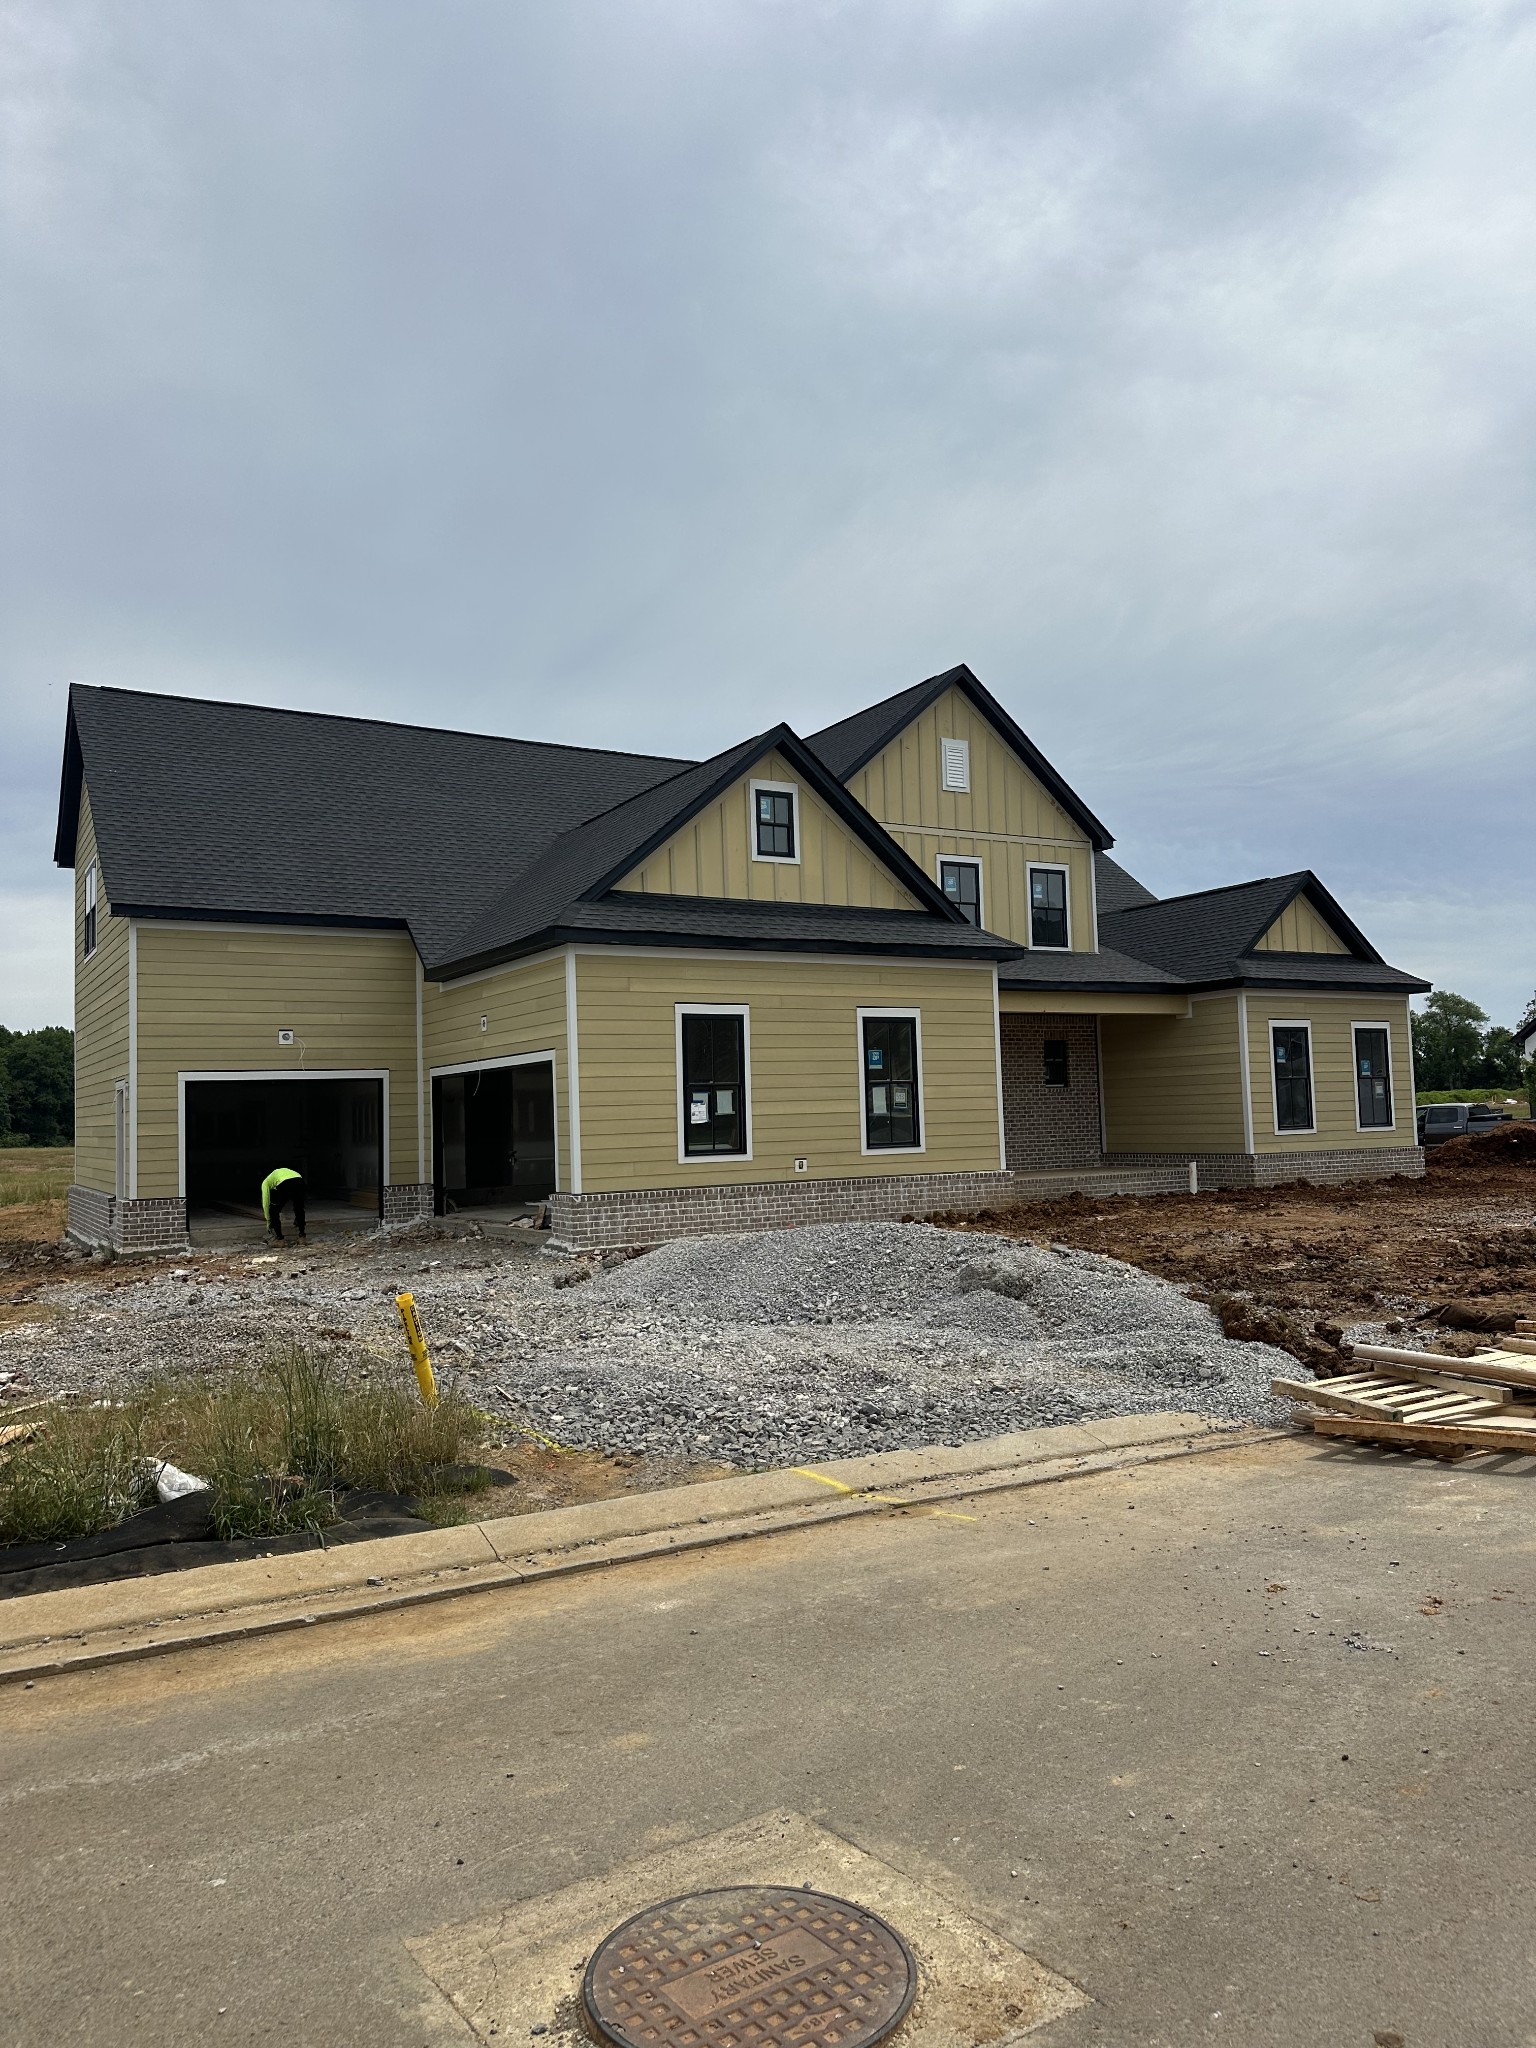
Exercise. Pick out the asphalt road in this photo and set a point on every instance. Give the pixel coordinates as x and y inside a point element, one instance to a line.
<point>1254,1730</point>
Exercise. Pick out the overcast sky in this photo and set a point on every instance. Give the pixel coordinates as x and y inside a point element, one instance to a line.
<point>641,374</point>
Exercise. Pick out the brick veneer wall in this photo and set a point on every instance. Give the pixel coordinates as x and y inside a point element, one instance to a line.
<point>647,1215</point>
<point>1046,1127</point>
<point>405,1200</point>
<point>1273,1169</point>
<point>152,1223</point>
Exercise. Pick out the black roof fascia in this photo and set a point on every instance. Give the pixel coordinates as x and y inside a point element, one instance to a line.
<point>557,935</point>
<point>964,678</point>
<point>783,739</point>
<point>71,781</point>
<point>1307,884</point>
<point>169,913</point>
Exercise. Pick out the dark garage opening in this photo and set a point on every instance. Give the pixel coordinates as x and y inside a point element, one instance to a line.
<point>493,1136</point>
<point>330,1131</point>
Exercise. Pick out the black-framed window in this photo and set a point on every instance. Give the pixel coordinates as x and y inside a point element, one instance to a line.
<point>1048,907</point>
<point>1058,1072</point>
<point>90,911</point>
<point>891,1113</point>
<point>1373,1077</point>
<point>773,813</point>
<point>961,882</point>
<point>714,1082</point>
<point>1291,1053</point>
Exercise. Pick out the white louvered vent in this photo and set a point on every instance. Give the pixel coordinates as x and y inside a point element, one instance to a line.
<point>955,764</point>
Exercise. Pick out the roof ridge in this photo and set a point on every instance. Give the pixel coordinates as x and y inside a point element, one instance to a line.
<point>386,724</point>
<point>1221,889</point>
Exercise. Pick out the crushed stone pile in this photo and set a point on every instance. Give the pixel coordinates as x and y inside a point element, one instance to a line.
<point>755,1350</point>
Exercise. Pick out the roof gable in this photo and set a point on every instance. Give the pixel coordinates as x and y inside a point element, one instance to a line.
<point>853,743</point>
<point>712,854</point>
<point>1300,928</point>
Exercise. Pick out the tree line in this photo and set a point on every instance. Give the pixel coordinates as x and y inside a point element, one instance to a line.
<point>37,1086</point>
<point>1455,1046</point>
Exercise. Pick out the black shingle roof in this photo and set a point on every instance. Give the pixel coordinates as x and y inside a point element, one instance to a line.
<point>847,746</point>
<point>239,810</point>
<point>1114,888</point>
<point>1104,970</point>
<point>1207,940</point>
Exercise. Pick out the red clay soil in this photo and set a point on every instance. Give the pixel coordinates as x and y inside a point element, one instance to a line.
<point>1451,1254</point>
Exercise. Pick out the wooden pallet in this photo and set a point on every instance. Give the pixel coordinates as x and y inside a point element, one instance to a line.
<point>1425,1400</point>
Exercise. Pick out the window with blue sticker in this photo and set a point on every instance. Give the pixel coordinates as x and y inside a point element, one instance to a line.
<point>891,1083</point>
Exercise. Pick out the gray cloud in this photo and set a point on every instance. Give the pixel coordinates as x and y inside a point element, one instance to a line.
<point>640,373</point>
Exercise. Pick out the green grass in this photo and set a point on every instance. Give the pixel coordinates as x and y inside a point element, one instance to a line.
<point>277,1444</point>
<point>35,1173</point>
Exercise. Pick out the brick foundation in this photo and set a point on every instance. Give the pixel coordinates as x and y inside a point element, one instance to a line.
<point>647,1215</point>
<point>153,1223</point>
<point>1273,1169</point>
<point>406,1200</point>
<point>1050,1127</point>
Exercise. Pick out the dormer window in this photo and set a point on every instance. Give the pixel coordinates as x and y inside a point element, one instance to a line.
<point>90,911</point>
<point>955,765</point>
<point>775,821</point>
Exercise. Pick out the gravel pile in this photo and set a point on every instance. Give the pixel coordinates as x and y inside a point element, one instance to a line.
<point>754,1350</point>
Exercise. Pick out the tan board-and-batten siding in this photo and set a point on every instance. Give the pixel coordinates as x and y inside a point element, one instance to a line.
<point>212,999</point>
<point>101,1020</point>
<point>713,855</point>
<point>1006,820</point>
<point>805,1079</point>
<point>1301,929</point>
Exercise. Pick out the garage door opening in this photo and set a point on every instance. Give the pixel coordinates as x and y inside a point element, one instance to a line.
<point>331,1131</point>
<point>493,1137</point>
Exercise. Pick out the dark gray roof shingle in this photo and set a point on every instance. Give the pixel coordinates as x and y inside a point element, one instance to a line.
<point>1115,889</point>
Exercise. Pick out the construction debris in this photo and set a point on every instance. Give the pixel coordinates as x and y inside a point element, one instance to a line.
<point>1428,1400</point>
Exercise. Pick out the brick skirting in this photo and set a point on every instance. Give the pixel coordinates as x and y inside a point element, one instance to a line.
<point>1273,1169</point>
<point>647,1215</point>
<point>153,1223</point>
<point>406,1200</point>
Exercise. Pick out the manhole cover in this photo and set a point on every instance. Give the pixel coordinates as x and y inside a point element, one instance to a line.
<point>754,1966</point>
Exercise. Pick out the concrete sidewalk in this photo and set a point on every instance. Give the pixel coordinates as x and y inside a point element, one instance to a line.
<point>131,1618</point>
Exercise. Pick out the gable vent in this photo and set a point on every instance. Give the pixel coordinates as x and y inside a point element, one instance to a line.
<point>955,764</point>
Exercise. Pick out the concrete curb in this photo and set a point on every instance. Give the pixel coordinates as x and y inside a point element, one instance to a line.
<point>87,1627</point>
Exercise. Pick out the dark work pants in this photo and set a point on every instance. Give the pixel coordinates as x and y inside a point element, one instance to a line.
<point>287,1191</point>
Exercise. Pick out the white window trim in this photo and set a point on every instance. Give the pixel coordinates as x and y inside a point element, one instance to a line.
<point>892,1151</point>
<point>679,1012</point>
<point>946,787</point>
<point>792,791</point>
<point>1272,1025</point>
<point>91,903</point>
<point>965,860</point>
<point>1368,1024</point>
<point>1055,867</point>
<point>279,1074</point>
<point>514,1059</point>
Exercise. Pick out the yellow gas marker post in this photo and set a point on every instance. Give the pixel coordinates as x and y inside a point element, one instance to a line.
<point>406,1303</point>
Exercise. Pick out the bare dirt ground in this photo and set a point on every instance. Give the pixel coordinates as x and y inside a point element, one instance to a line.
<point>1446,1256</point>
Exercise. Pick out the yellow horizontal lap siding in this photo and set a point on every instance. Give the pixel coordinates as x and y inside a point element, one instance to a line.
<point>1300,929</point>
<point>1006,820</point>
<point>213,999</point>
<point>712,856</point>
<point>1058,1002</point>
<point>524,1012</point>
<point>805,1066</point>
<point>101,1021</point>
<point>1174,1084</point>
<point>1333,1075</point>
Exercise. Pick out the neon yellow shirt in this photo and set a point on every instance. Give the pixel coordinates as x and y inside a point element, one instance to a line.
<point>272,1181</point>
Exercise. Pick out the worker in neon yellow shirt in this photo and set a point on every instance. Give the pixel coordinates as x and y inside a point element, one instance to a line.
<point>281,1187</point>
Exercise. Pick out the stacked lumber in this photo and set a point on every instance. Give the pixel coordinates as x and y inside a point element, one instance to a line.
<point>1428,1400</point>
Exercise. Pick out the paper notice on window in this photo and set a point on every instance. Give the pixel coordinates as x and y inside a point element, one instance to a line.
<point>725,1101</point>
<point>878,1101</point>
<point>698,1109</point>
<point>899,1097</point>
<point>876,1056</point>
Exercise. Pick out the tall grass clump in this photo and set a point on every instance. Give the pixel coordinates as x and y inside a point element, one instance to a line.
<point>277,1445</point>
<point>82,1472</point>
